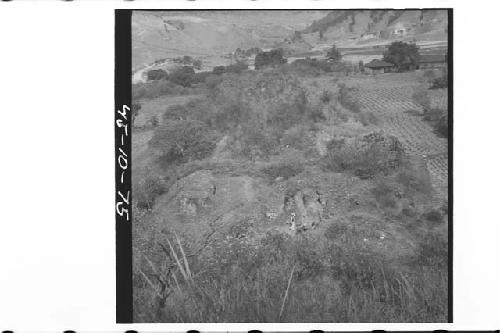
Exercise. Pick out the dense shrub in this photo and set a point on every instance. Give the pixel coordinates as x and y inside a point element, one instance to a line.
<point>138,91</point>
<point>315,113</point>
<point>335,144</point>
<point>285,115</point>
<point>241,53</point>
<point>218,70</point>
<point>175,112</point>
<point>200,109</point>
<point>135,111</point>
<point>361,66</point>
<point>421,97</point>
<point>255,142</point>
<point>440,82</point>
<point>272,58</point>
<point>343,67</point>
<point>432,251</point>
<point>310,66</point>
<point>438,119</point>
<point>237,67</point>
<point>153,121</point>
<point>197,63</point>
<point>367,118</point>
<point>347,100</point>
<point>257,108</point>
<point>364,158</point>
<point>183,76</point>
<point>384,193</point>
<point>314,67</point>
<point>227,116</point>
<point>441,126</point>
<point>434,216</point>
<point>211,81</point>
<point>325,97</point>
<point>285,169</point>
<point>188,61</point>
<point>201,77</point>
<point>157,74</point>
<point>147,190</point>
<point>182,140</point>
<point>363,162</point>
<point>415,177</point>
<point>154,89</point>
<point>429,74</point>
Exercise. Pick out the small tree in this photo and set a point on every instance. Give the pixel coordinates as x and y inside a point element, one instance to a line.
<point>334,54</point>
<point>403,55</point>
<point>237,67</point>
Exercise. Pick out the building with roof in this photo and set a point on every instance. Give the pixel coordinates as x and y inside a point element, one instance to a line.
<point>377,66</point>
<point>431,61</point>
<point>400,29</point>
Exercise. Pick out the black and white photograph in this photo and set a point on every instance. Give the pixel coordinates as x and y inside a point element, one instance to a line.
<point>249,166</point>
<point>290,165</point>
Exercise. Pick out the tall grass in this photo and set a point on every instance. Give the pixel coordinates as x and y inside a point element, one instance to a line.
<point>280,278</point>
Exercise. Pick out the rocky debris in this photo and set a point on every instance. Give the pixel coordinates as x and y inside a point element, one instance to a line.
<point>221,152</point>
<point>304,208</point>
<point>204,203</point>
<point>196,191</point>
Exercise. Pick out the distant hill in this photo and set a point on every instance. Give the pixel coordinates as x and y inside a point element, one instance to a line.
<point>347,26</point>
<point>158,35</point>
<point>213,35</point>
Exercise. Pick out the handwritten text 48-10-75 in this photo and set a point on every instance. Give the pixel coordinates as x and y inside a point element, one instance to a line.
<point>122,205</point>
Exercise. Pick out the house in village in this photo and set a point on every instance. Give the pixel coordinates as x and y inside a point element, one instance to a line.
<point>369,35</point>
<point>400,29</point>
<point>432,61</point>
<point>377,66</point>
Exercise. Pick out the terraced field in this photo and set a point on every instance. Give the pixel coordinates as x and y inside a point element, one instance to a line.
<point>389,98</point>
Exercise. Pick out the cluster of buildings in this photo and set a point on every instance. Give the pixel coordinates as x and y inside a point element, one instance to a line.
<point>426,61</point>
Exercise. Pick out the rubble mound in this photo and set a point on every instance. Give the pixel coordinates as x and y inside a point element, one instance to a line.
<point>304,208</point>
<point>204,204</point>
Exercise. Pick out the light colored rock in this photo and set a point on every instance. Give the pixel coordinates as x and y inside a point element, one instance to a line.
<point>305,207</point>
